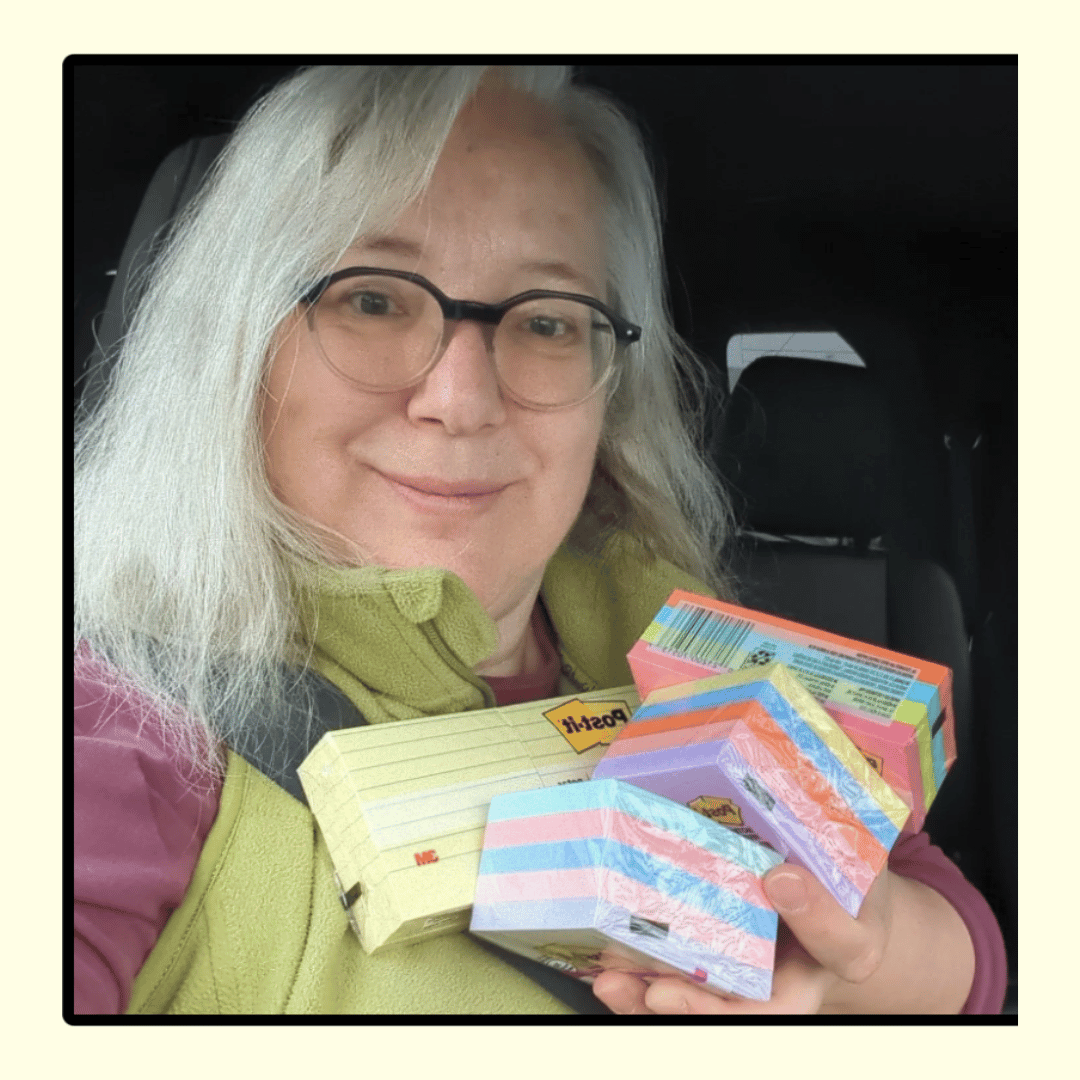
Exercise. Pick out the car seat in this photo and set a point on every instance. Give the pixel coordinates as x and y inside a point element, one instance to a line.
<point>811,459</point>
<point>807,451</point>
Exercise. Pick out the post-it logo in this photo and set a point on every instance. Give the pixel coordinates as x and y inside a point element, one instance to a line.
<point>586,724</point>
<point>721,810</point>
<point>726,812</point>
<point>875,761</point>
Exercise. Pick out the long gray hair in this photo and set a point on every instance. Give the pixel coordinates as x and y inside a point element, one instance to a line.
<point>181,550</point>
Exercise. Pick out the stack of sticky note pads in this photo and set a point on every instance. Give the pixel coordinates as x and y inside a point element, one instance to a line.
<point>637,840</point>
<point>898,710</point>
<point>402,806</point>
<point>755,751</point>
<point>604,875</point>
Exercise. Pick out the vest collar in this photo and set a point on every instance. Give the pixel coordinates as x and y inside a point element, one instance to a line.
<point>409,637</point>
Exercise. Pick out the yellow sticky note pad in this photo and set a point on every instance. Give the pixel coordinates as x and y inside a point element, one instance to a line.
<point>402,806</point>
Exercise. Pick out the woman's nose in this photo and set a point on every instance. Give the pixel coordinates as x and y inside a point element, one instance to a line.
<point>462,390</point>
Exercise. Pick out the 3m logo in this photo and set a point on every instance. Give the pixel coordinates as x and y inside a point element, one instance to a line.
<point>424,857</point>
<point>875,762</point>
<point>721,810</point>
<point>585,724</point>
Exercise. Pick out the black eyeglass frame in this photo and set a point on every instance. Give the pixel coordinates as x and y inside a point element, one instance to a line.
<point>626,333</point>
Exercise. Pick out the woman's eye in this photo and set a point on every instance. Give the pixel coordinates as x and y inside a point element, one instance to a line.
<point>371,303</point>
<point>547,326</point>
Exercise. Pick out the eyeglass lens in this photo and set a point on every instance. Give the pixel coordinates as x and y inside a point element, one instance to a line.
<point>384,333</point>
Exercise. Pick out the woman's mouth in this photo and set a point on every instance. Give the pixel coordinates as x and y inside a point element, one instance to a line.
<point>435,494</point>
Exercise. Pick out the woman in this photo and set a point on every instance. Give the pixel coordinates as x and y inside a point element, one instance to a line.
<point>399,414</point>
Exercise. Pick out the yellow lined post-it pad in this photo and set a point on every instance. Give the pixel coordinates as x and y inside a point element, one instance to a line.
<point>403,805</point>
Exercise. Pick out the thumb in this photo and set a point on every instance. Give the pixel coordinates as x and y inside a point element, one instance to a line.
<point>850,948</point>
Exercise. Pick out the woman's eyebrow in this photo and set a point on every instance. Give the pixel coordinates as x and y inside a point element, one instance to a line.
<point>567,273</point>
<point>392,245</point>
<point>570,277</point>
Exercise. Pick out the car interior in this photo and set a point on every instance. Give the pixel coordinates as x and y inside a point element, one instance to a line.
<point>841,250</point>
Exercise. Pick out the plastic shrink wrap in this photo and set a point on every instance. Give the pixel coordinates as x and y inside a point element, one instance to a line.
<point>598,875</point>
<point>402,806</point>
<point>754,751</point>
<point>898,710</point>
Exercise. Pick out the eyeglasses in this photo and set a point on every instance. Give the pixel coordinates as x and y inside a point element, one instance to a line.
<point>385,330</point>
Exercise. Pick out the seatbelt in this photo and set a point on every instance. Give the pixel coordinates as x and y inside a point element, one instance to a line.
<point>277,751</point>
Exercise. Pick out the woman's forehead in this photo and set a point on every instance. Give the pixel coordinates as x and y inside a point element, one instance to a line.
<point>497,128</point>
<point>501,111</point>
<point>521,196</point>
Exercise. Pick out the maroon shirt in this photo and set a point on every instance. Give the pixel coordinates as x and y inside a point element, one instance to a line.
<point>139,828</point>
<point>140,825</point>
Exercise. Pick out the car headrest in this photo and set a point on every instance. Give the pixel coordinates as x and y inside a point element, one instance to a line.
<point>805,447</point>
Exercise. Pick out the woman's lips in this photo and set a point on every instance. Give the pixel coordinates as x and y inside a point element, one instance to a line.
<point>430,493</point>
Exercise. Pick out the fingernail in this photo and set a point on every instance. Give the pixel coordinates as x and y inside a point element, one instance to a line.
<point>787,892</point>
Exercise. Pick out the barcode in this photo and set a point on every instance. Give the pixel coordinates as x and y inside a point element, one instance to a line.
<point>698,634</point>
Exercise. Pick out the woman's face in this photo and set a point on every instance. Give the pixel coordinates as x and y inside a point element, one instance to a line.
<point>450,472</point>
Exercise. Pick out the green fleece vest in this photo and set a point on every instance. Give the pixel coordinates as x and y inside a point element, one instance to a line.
<point>261,928</point>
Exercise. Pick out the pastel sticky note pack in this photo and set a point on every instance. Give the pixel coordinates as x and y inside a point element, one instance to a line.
<point>755,751</point>
<point>897,709</point>
<point>402,806</point>
<point>604,875</point>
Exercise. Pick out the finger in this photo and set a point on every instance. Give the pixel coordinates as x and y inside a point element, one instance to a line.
<point>621,993</point>
<point>798,988</point>
<point>850,948</point>
<point>671,996</point>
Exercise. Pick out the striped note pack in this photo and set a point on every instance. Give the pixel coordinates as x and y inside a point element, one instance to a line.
<point>603,875</point>
<point>402,805</point>
<point>898,710</point>
<point>754,751</point>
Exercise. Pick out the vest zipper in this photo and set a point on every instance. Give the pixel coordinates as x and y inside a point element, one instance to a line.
<point>452,661</point>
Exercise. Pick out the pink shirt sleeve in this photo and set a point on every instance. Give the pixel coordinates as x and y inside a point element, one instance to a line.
<point>138,830</point>
<point>916,858</point>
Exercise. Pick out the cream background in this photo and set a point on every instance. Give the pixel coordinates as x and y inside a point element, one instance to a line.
<point>35,443</point>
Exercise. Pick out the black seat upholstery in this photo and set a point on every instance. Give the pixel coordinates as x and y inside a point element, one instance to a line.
<point>807,450</point>
<point>811,459</point>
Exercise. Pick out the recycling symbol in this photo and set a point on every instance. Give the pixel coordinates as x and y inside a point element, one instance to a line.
<point>761,656</point>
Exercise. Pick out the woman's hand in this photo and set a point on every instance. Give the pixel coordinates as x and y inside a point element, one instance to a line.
<point>908,951</point>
